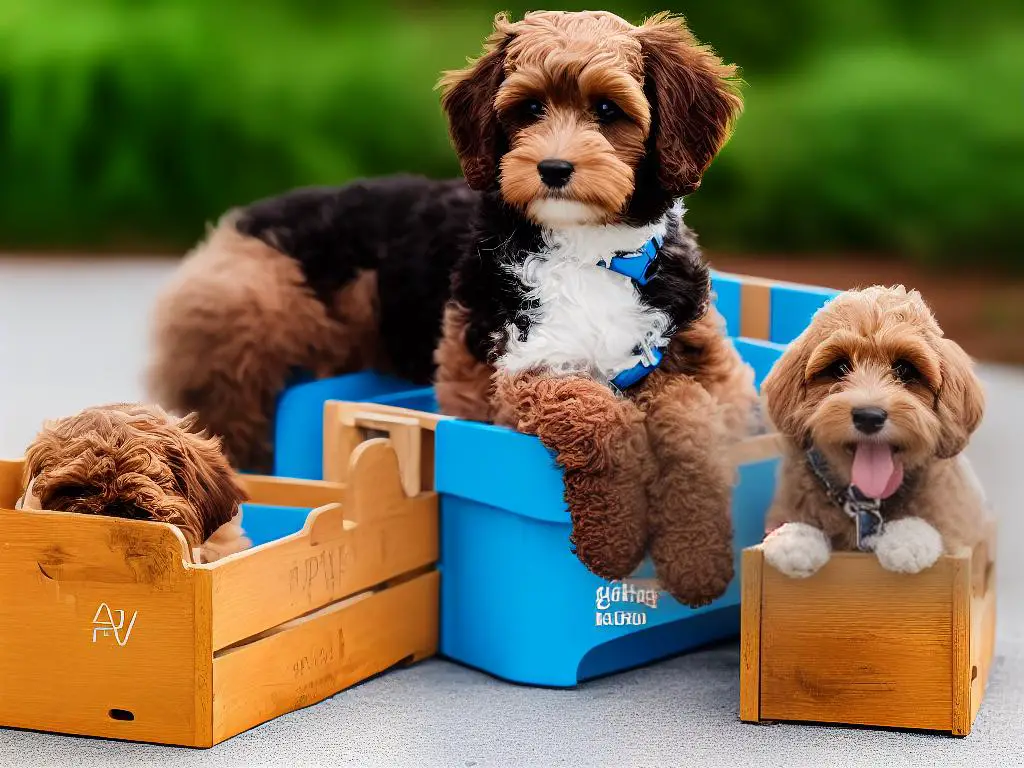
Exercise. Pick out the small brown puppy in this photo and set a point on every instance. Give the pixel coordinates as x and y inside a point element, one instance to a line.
<point>139,463</point>
<point>875,406</point>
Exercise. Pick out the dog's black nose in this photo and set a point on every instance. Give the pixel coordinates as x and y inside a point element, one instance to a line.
<point>555,173</point>
<point>869,420</point>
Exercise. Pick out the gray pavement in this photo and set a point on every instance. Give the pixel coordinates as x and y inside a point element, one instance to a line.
<point>72,333</point>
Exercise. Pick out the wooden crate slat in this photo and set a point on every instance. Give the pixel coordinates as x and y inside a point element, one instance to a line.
<point>202,658</point>
<point>411,434</point>
<point>755,449</point>
<point>960,620</point>
<point>314,657</point>
<point>750,635</point>
<point>983,639</point>
<point>261,588</point>
<point>291,492</point>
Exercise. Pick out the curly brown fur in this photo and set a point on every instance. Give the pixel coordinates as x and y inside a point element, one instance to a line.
<point>313,283</point>
<point>600,442</point>
<point>699,401</point>
<point>235,324</point>
<point>134,462</point>
<point>878,348</point>
<point>464,385</point>
<point>702,351</point>
<point>690,520</point>
<point>698,100</point>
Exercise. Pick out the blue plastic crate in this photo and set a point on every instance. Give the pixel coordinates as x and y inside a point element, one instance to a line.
<point>515,602</point>
<point>299,422</point>
<point>727,291</point>
<point>761,355</point>
<point>792,308</point>
<point>267,522</point>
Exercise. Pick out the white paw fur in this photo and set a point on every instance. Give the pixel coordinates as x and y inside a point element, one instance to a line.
<point>796,549</point>
<point>908,545</point>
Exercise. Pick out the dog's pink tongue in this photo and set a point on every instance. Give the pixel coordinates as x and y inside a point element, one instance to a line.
<point>875,473</point>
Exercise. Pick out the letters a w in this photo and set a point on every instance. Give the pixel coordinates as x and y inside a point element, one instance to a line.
<point>104,622</point>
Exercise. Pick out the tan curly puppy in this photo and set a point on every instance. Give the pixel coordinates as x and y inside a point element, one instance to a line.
<point>875,406</point>
<point>138,463</point>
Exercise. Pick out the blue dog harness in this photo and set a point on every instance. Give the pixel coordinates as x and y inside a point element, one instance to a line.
<point>639,266</point>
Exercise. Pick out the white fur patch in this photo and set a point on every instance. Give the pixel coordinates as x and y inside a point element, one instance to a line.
<point>797,550</point>
<point>588,319</point>
<point>908,545</point>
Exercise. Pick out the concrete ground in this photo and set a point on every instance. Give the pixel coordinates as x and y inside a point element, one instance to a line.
<point>72,333</point>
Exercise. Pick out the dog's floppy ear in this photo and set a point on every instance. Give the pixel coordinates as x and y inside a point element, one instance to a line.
<point>696,100</point>
<point>468,102</point>
<point>960,401</point>
<point>784,390</point>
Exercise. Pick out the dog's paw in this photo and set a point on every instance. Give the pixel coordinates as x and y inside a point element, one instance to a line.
<point>908,545</point>
<point>796,549</point>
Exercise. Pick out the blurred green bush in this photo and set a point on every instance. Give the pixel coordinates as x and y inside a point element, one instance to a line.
<point>870,125</point>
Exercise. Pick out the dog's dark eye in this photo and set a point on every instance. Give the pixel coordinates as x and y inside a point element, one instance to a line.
<point>905,371</point>
<point>532,109</point>
<point>126,511</point>
<point>607,111</point>
<point>74,493</point>
<point>836,370</point>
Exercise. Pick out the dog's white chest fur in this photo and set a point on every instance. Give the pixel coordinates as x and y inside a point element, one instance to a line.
<point>586,319</point>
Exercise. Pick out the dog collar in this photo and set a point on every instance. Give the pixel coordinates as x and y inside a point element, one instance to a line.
<point>866,513</point>
<point>639,265</point>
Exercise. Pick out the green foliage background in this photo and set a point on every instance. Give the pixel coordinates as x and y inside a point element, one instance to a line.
<point>871,125</point>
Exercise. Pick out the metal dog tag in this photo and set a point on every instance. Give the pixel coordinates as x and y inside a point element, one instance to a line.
<point>867,518</point>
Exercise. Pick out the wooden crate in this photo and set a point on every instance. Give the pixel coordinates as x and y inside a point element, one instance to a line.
<point>855,644</point>
<point>107,627</point>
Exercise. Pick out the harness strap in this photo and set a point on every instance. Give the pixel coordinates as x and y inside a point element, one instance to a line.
<point>650,359</point>
<point>639,266</point>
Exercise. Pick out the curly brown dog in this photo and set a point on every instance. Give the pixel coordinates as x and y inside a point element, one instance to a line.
<point>584,131</point>
<point>557,285</point>
<point>875,406</point>
<point>136,462</point>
